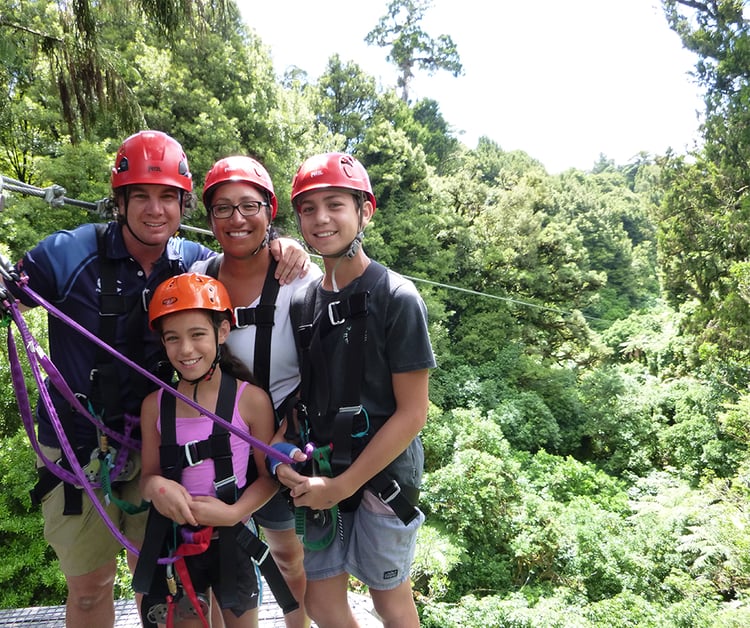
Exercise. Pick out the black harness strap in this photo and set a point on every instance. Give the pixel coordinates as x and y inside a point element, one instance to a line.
<point>262,316</point>
<point>105,390</point>
<point>311,331</point>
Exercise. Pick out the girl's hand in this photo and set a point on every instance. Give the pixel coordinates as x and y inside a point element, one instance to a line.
<point>171,499</point>
<point>211,511</point>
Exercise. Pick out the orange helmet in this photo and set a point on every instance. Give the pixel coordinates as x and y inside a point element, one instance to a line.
<point>242,169</point>
<point>151,157</point>
<point>331,170</point>
<point>189,291</point>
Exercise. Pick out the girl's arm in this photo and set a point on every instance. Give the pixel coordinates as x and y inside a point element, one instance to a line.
<point>257,412</point>
<point>170,498</point>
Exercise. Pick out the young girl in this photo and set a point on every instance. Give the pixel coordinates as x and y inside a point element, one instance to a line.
<point>192,314</point>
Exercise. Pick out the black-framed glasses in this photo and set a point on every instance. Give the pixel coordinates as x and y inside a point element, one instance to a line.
<point>246,208</point>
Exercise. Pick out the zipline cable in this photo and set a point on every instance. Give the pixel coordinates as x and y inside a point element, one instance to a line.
<point>55,195</point>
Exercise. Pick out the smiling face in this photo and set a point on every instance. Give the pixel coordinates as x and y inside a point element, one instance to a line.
<point>239,236</point>
<point>152,213</point>
<point>329,219</point>
<point>191,341</point>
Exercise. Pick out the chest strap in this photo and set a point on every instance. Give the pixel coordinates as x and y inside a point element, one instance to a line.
<point>262,316</point>
<point>353,312</point>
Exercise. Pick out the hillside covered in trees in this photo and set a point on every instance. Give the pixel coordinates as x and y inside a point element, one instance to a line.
<point>587,458</point>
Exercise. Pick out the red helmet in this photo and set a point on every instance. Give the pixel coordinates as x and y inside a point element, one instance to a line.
<point>242,169</point>
<point>151,157</point>
<point>189,291</point>
<point>332,170</point>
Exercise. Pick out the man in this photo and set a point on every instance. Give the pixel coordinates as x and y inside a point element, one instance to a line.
<point>101,277</point>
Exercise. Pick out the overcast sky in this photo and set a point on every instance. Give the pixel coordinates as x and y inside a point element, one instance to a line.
<point>561,80</point>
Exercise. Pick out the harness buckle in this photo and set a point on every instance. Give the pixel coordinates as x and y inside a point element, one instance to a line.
<point>333,314</point>
<point>390,493</point>
<point>232,479</point>
<point>237,312</point>
<point>353,410</point>
<point>189,449</point>
<point>259,560</point>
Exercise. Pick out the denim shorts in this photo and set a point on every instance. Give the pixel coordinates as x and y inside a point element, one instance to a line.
<point>276,513</point>
<point>371,543</point>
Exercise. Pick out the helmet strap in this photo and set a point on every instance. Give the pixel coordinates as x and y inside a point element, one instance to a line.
<point>206,376</point>
<point>264,243</point>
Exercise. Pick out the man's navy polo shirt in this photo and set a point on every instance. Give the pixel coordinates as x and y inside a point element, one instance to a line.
<point>64,270</point>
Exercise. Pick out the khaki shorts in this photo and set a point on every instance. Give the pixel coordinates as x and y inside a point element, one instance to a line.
<point>84,542</point>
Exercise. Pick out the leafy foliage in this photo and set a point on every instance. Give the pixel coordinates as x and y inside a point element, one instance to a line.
<point>587,442</point>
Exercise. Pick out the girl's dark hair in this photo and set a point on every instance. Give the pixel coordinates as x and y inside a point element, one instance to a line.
<point>228,362</point>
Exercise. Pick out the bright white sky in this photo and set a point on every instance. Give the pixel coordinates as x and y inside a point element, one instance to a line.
<point>562,80</point>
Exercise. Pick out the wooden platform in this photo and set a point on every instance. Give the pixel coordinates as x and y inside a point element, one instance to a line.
<point>126,614</point>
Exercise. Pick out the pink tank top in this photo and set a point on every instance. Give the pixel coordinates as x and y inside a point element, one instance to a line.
<point>199,479</point>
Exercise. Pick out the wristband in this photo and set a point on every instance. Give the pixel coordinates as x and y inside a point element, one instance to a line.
<point>288,449</point>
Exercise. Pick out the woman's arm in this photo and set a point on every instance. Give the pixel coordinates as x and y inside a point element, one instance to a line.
<point>293,260</point>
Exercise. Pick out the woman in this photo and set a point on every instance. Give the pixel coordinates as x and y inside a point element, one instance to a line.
<point>241,204</point>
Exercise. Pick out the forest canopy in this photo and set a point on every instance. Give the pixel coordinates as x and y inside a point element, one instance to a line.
<point>587,444</point>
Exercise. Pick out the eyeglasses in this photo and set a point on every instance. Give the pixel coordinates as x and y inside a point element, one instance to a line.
<point>246,208</point>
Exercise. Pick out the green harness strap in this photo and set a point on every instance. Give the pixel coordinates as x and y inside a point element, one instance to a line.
<point>321,460</point>
<point>126,506</point>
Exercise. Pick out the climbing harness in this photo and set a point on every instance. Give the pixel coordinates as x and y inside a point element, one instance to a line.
<point>75,475</point>
<point>173,459</point>
<point>336,419</point>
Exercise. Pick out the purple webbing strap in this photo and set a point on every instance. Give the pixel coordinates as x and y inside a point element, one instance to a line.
<point>78,476</point>
<point>259,444</point>
<point>35,355</point>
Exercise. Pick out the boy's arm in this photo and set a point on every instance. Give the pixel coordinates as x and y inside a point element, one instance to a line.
<point>412,402</point>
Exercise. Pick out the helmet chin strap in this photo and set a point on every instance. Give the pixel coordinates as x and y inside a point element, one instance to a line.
<point>348,253</point>
<point>206,376</point>
<point>264,243</point>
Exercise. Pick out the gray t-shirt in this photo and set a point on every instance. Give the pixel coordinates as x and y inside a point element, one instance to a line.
<point>397,342</point>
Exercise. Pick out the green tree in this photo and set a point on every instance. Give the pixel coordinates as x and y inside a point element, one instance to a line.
<point>411,46</point>
<point>345,100</point>
<point>70,38</point>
